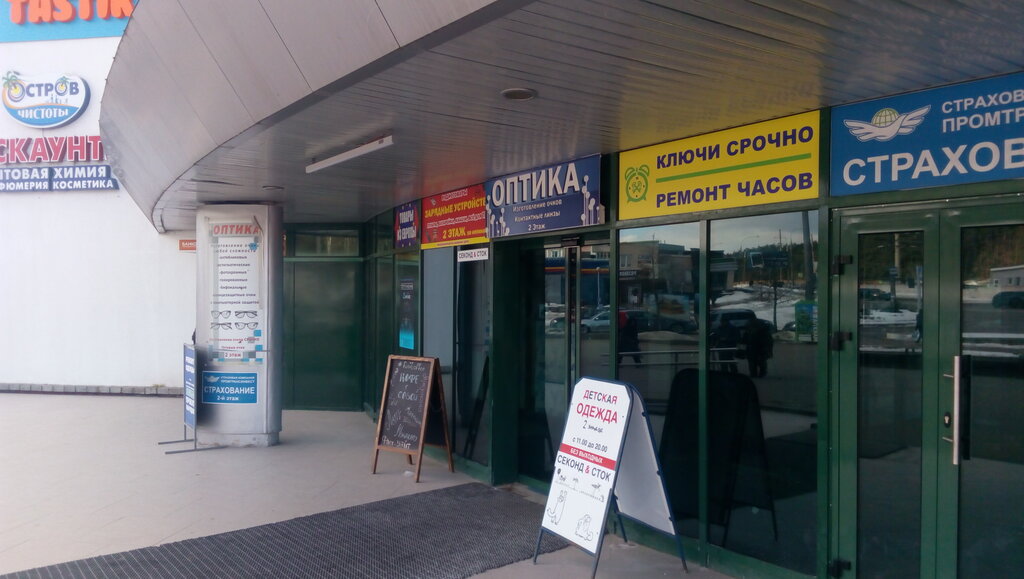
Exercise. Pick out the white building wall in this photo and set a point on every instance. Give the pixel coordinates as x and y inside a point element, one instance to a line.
<point>1008,277</point>
<point>90,293</point>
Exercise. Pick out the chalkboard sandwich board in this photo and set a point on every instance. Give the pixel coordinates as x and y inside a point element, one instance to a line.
<point>412,412</point>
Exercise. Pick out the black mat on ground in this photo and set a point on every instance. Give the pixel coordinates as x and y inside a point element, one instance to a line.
<point>453,532</point>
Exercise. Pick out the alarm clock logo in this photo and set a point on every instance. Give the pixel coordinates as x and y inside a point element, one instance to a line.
<point>636,183</point>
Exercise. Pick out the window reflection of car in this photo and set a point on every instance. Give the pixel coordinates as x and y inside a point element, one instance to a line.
<point>873,294</point>
<point>556,325</point>
<point>738,317</point>
<point>597,323</point>
<point>1013,299</point>
<point>645,322</point>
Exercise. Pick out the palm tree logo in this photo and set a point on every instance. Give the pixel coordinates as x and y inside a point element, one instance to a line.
<point>62,85</point>
<point>13,88</point>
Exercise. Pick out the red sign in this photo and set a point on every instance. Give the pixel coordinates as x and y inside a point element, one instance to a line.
<point>455,218</point>
<point>587,456</point>
<point>50,149</point>
<point>186,245</point>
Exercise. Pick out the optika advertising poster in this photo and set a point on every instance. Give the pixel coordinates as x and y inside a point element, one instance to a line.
<point>237,320</point>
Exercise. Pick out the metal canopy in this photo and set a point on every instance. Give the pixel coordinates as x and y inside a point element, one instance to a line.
<point>230,101</point>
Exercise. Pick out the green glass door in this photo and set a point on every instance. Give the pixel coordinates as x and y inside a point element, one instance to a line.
<point>323,338</point>
<point>922,289</point>
<point>981,488</point>
<point>566,336</point>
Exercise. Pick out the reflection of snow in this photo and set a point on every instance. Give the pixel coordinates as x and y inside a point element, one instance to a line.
<point>751,298</point>
<point>885,349</point>
<point>990,353</point>
<point>993,344</point>
<point>879,317</point>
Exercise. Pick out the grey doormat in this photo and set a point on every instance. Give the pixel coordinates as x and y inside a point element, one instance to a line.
<point>454,532</point>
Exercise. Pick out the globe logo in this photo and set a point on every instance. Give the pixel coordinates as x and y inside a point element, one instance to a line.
<point>884,117</point>
<point>886,124</point>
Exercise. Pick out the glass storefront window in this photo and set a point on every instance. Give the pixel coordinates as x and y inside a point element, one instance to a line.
<point>326,243</point>
<point>762,385</point>
<point>407,273</point>
<point>658,342</point>
<point>471,419</point>
<point>384,232</point>
<point>762,339</point>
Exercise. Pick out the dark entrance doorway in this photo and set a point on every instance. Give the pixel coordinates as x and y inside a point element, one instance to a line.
<point>567,336</point>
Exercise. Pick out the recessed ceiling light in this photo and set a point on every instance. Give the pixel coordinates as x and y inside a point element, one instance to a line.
<point>519,94</point>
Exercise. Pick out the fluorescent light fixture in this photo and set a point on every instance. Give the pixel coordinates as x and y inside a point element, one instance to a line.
<point>359,151</point>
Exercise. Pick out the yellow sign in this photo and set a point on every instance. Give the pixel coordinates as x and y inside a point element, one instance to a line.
<point>769,162</point>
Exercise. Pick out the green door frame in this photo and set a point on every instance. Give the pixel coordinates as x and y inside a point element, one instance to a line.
<point>948,487</point>
<point>846,311</point>
<point>941,224</point>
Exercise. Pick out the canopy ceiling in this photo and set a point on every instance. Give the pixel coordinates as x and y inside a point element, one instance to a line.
<point>229,101</point>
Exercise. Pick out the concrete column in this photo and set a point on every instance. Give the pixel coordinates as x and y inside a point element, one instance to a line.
<point>239,324</point>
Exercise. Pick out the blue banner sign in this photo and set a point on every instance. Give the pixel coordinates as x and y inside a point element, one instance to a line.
<point>71,178</point>
<point>965,133</point>
<point>24,20</point>
<point>229,388</point>
<point>547,199</point>
<point>190,386</point>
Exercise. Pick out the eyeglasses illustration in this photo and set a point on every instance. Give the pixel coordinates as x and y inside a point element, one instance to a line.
<point>220,325</point>
<point>215,314</point>
<point>244,325</point>
<point>245,314</point>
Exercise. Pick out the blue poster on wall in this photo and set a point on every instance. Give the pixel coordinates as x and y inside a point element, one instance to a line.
<point>229,388</point>
<point>965,133</point>
<point>407,225</point>
<point>546,199</point>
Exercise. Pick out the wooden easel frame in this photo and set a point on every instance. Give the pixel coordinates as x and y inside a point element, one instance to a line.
<point>435,389</point>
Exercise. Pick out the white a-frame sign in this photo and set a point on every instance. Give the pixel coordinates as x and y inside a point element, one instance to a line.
<point>606,456</point>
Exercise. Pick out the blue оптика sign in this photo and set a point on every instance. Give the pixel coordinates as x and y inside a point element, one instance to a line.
<point>965,133</point>
<point>229,388</point>
<point>547,199</point>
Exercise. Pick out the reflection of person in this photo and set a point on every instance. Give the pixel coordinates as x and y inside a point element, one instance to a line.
<point>629,338</point>
<point>726,339</point>
<point>759,345</point>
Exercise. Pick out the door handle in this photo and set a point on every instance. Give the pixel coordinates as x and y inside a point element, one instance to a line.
<point>961,409</point>
<point>966,379</point>
<point>956,410</point>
